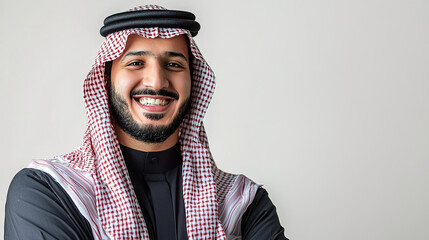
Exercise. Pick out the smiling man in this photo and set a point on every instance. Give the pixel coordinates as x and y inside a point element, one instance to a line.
<point>144,170</point>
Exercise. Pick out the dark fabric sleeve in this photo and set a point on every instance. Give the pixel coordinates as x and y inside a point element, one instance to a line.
<point>260,221</point>
<point>37,207</point>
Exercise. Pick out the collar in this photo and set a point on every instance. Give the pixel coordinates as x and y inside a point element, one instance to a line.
<point>152,162</point>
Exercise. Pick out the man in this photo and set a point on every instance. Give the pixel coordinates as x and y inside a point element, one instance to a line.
<point>144,170</point>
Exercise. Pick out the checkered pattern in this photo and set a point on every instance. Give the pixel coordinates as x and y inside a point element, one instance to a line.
<point>205,187</point>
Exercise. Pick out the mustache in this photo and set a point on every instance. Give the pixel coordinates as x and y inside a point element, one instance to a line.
<point>148,91</point>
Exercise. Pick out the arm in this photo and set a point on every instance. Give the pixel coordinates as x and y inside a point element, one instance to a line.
<point>37,207</point>
<point>260,221</point>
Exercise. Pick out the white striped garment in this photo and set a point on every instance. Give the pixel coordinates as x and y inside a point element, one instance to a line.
<point>79,186</point>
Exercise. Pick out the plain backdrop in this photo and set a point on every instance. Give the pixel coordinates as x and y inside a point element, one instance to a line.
<point>325,103</point>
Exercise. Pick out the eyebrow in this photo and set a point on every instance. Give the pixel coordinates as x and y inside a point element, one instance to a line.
<point>175,54</point>
<point>136,53</point>
<point>148,53</point>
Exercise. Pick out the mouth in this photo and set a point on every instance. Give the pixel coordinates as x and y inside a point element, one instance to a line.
<point>154,103</point>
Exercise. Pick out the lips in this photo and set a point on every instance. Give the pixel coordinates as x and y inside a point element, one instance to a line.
<point>154,103</point>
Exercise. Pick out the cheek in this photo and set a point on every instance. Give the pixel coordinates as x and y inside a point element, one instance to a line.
<point>180,83</point>
<point>123,83</point>
<point>187,88</point>
<point>184,90</point>
<point>183,86</point>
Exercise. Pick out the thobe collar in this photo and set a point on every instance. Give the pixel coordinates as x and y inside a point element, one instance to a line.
<point>152,162</point>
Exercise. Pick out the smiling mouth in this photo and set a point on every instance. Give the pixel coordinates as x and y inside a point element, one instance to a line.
<point>148,101</point>
<point>154,103</point>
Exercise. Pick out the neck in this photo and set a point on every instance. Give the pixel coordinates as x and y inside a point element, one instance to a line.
<point>129,141</point>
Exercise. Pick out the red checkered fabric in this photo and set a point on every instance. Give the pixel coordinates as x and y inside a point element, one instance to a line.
<point>205,187</point>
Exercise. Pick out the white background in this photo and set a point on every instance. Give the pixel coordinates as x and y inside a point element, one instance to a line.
<point>324,102</point>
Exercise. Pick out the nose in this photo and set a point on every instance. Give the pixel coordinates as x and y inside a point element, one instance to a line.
<point>154,76</point>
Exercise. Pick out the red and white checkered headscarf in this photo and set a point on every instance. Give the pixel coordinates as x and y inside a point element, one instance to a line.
<point>205,188</point>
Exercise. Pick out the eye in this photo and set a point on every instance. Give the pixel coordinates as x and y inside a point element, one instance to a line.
<point>174,65</point>
<point>135,63</point>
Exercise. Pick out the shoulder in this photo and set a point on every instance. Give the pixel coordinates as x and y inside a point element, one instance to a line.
<point>261,203</point>
<point>26,182</point>
<point>33,184</point>
<point>33,190</point>
<point>30,189</point>
<point>37,207</point>
<point>233,185</point>
<point>260,221</point>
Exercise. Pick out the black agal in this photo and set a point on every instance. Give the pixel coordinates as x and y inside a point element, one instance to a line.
<point>150,18</point>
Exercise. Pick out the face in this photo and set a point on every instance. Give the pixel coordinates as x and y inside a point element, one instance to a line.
<point>150,87</point>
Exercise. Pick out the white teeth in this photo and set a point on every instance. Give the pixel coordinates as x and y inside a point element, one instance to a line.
<point>153,102</point>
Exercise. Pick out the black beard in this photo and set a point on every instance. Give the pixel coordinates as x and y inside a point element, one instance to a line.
<point>146,133</point>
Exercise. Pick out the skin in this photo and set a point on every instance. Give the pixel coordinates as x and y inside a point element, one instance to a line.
<point>153,64</point>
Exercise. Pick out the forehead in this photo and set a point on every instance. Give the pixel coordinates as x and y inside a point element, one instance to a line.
<point>157,45</point>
